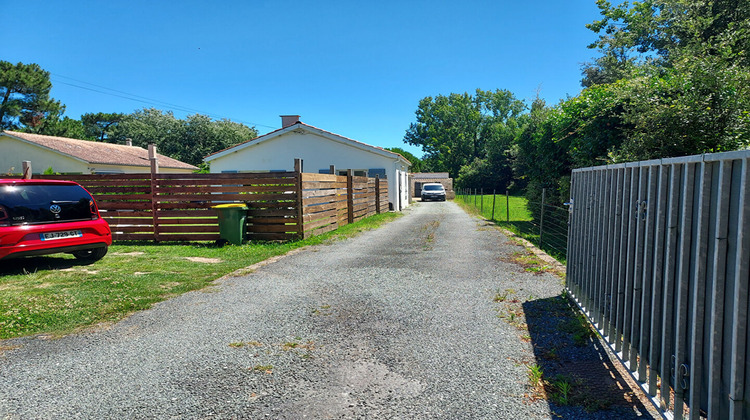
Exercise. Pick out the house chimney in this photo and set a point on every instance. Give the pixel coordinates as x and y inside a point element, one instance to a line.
<point>287,120</point>
<point>129,142</point>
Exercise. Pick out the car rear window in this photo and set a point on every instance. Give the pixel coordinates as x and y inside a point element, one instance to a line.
<point>433,188</point>
<point>39,203</point>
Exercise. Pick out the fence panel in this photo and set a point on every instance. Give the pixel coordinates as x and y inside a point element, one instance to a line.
<point>361,197</point>
<point>324,203</point>
<point>660,262</point>
<point>179,207</point>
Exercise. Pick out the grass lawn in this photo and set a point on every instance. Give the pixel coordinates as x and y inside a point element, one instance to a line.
<point>56,294</point>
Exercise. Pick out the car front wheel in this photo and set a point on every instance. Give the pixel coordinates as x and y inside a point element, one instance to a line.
<point>91,255</point>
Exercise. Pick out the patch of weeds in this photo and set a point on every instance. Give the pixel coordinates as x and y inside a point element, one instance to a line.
<point>323,310</point>
<point>502,296</point>
<point>561,388</point>
<point>428,230</point>
<point>579,328</point>
<point>6,348</point>
<point>551,354</point>
<point>239,344</point>
<point>529,262</point>
<point>267,369</point>
<point>301,348</point>
<point>535,375</point>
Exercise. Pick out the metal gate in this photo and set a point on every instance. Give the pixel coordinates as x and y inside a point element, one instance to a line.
<point>658,258</point>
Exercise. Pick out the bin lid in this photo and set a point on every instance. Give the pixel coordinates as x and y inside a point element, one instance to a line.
<point>228,206</point>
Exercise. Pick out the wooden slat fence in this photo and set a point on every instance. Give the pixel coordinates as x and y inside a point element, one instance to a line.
<point>659,259</point>
<point>324,203</point>
<point>362,197</point>
<point>178,207</point>
<point>332,201</point>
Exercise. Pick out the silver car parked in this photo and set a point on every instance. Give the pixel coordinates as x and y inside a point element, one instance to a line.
<point>433,191</point>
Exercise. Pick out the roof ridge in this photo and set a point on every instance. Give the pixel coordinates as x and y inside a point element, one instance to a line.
<point>288,128</point>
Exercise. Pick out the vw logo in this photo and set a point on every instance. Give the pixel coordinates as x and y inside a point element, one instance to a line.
<point>55,209</point>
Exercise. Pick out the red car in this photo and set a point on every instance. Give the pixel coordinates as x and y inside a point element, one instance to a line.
<point>39,217</point>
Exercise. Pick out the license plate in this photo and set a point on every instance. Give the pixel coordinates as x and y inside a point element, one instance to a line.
<point>61,235</point>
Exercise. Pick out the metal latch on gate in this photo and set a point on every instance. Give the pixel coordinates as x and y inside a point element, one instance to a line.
<point>682,376</point>
<point>641,209</point>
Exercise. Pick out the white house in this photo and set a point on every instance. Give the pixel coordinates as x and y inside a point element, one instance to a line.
<point>65,155</point>
<point>318,149</point>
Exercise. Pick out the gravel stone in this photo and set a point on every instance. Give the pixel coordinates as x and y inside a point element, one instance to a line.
<point>397,323</point>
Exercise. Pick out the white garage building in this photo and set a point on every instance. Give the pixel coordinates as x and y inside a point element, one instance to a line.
<point>318,149</point>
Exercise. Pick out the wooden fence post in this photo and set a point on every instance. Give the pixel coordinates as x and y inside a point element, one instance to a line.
<point>507,206</point>
<point>26,165</point>
<point>298,188</point>
<point>154,160</point>
<point>350,196</point>
<point>377,193</point>
<point>493,205</point>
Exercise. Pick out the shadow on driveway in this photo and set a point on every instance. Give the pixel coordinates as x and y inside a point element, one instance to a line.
<point>578,379</point>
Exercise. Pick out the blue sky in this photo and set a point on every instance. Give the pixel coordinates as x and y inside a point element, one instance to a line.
<point>358,69</point>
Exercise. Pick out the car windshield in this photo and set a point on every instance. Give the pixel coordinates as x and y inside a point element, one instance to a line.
<point>44,203</point>
<point>433,188</point>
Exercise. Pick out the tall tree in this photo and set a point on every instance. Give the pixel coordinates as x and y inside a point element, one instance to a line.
<point>24,96</point>
<point>101,125</point>
<point>188,140</point>
<point>416,163</point>
<point>63,127</point>
<point>455,130</point>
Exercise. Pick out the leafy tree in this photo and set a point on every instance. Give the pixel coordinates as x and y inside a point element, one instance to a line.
<point>416,163</point>
<point>447,130</point>
<point>101,125</point>
<point>24,96</point>
<point>187,140</point>
<point>679,73</point>
<point>457,129</point>
<point>672,80</point>
<point>665,31</point>
<point>65,127</point>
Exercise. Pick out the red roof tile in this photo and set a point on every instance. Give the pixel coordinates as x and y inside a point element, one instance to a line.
<point>97,152</point>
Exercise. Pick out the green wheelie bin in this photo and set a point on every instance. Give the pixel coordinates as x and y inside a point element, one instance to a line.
<point>232,227</point>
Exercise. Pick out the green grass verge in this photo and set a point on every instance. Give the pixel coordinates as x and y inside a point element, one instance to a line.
<point>57,294</point>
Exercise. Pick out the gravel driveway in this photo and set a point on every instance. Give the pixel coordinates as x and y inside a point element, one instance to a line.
<point>395,323</point>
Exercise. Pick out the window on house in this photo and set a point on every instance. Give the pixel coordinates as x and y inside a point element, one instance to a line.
<point>377,171</point>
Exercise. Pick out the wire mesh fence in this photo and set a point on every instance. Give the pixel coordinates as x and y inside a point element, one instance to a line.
<point>544,225</point>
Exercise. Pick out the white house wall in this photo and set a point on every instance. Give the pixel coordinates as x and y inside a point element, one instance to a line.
<point>317,153</point>
<point>14,152</point>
